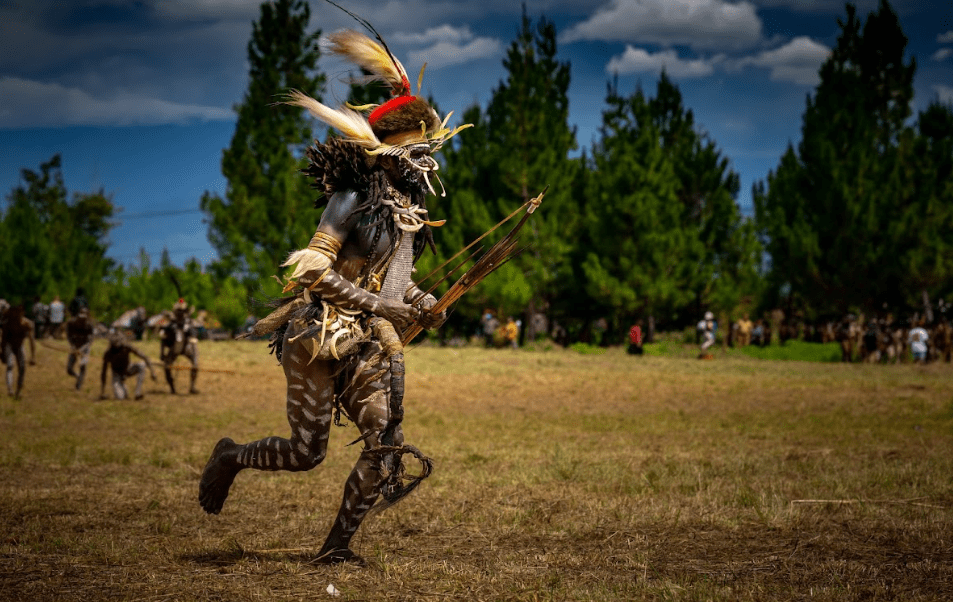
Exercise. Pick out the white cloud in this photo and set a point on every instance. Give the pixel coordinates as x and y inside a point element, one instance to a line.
<point>637,60</point>
<point>945,38</point>
<point>443,54</point>
<point>25,103</point>
<point>945,93</point>
<point>942,54</point>
<point>696,23</point>
<point>797,61</point>
<point>443,33</point>
<point>205,9</point>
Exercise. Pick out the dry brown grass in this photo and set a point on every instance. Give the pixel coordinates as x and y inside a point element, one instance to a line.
<point>558,476</point>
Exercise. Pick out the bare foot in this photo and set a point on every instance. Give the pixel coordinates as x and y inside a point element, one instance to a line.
<point>218,475</point>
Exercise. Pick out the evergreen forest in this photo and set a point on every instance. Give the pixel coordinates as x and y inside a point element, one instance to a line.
<point>644,224</point>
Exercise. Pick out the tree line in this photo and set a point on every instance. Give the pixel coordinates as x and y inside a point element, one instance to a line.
<point>644,224</point>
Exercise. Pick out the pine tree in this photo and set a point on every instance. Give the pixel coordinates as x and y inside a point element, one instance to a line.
<point>268,209</point>
<point>925,227</point>
<point>639,260</point>
<point>707,190</point>
<point>466,168</point>
<point>529,136</point>
<point>664,235</point>
<point>830,212</point>
<point>53,244</point>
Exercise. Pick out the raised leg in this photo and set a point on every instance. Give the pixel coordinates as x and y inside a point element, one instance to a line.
<point>310,396</point>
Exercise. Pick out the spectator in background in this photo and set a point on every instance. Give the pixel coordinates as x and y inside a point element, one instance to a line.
<point>41,317</point>
<point>744,331</point>
<point>635,339</point>
<point>707,335</point>
<point>757,334</point>
<point>138,322</point>
<point>490,324</point>
<point>918,343</point>
<point>57,317</point>
<point>511,332</point>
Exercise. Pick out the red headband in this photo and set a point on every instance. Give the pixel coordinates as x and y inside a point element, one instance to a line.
<point>387,107</point>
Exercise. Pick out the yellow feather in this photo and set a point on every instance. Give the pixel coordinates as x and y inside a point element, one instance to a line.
<point>366,53</point>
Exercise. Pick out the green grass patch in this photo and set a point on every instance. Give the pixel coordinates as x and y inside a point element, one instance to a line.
<point>794,351</point>
<point>587,349</point>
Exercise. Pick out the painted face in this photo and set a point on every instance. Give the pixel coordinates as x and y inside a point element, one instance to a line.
<point>419,157</point>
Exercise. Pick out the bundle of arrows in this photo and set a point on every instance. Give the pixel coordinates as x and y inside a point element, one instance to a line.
<point>493,258</point>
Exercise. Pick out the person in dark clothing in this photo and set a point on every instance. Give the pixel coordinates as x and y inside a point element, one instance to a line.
<point>79,334</point>
<point>117,358</point>
<point>78,302</point>
<point>16,329</point>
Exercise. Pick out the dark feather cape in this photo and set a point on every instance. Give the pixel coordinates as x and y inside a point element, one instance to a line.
<point>338,166</point>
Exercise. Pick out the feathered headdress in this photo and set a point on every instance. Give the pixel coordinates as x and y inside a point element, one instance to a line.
<point>403,120</point>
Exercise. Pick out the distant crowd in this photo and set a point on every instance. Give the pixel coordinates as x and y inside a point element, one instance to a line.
<point>882,339</point>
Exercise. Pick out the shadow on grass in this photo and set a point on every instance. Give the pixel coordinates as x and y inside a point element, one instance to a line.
<point>233,555</point>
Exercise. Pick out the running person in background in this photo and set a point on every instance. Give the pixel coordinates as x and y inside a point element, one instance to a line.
<point>16,328</point>
<point>117,358</point>
<point>79,334</point>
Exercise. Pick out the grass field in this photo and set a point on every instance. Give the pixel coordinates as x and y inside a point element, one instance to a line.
<point>558,476</point>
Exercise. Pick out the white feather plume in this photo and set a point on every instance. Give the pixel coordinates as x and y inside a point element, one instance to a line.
<point>351,124</point>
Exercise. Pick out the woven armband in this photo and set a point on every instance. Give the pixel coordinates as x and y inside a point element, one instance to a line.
<point>320,255</point>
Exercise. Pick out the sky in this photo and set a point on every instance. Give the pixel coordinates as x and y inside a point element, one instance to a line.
<point>137,96</point>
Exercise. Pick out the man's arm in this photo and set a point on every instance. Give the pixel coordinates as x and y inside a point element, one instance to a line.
<point>424,301</point>
<point>315,265</point>
<point>144,357</point>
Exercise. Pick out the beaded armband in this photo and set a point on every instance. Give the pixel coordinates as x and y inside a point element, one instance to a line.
<point>325,244</point>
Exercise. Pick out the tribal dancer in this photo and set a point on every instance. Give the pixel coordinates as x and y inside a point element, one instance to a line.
<point>79,334</point>
<point>117,358</point>
<point>180,337</point>
<point>16,329</point>
<point>338,337</point>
